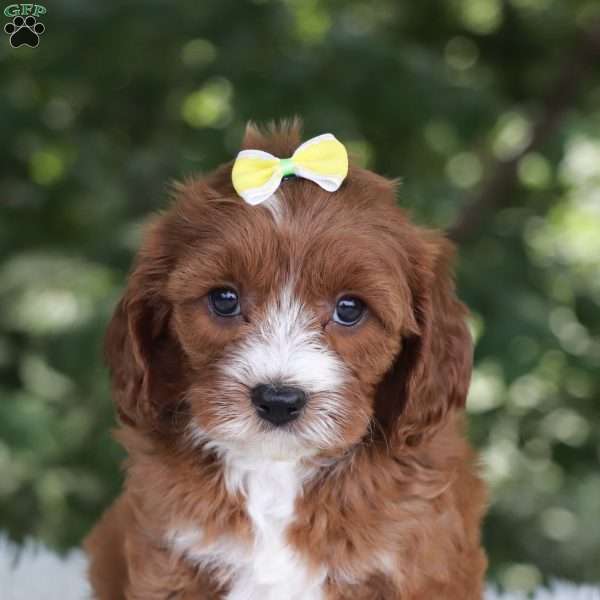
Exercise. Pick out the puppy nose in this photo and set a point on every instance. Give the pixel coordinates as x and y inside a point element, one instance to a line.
<point>278,404</point>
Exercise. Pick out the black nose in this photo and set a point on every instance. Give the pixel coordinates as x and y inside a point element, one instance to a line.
<point>278,404</point>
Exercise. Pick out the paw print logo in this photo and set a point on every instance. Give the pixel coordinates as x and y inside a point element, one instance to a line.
<point>24,32</point>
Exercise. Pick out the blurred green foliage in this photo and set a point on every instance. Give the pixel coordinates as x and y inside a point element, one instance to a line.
<point>122,97</point>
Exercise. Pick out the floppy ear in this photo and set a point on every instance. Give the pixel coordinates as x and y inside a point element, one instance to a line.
<point>431,374</point>
<point>143,356</point>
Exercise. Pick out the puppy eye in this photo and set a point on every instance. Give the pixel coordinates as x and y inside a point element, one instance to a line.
<point>225,302</point>
<point>348,310</point>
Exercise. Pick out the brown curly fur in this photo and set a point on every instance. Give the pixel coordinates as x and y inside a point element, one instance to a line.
<point>404,484</point>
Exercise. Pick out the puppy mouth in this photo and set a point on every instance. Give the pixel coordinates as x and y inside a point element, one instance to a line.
<point>267,442</point>
<point>273,417</point>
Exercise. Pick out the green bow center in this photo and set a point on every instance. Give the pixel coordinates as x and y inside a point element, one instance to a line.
<point>287,167</point>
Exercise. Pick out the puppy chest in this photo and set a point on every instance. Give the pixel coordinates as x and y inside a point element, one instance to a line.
<point>268,568</point>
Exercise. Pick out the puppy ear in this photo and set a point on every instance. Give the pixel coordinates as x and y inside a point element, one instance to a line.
<point>431,374</point>
<point>144,359</point>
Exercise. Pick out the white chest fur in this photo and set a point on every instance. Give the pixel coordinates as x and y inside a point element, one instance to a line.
<point>269,569</point>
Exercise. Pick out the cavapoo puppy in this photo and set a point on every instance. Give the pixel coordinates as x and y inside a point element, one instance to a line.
<point>290,364</point>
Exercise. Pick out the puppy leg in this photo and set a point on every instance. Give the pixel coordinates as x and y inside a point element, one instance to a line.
<point>154,574</point>
<point>105,549</point>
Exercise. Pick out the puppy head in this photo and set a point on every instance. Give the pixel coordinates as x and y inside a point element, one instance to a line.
<point>292,328</point>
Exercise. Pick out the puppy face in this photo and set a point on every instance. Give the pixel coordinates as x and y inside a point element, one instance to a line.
<point>294,328</point>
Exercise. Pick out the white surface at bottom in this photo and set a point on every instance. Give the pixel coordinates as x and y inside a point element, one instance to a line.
<point>32,572</point>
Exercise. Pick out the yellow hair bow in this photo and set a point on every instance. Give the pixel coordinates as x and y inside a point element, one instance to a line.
<point>257,174</point>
